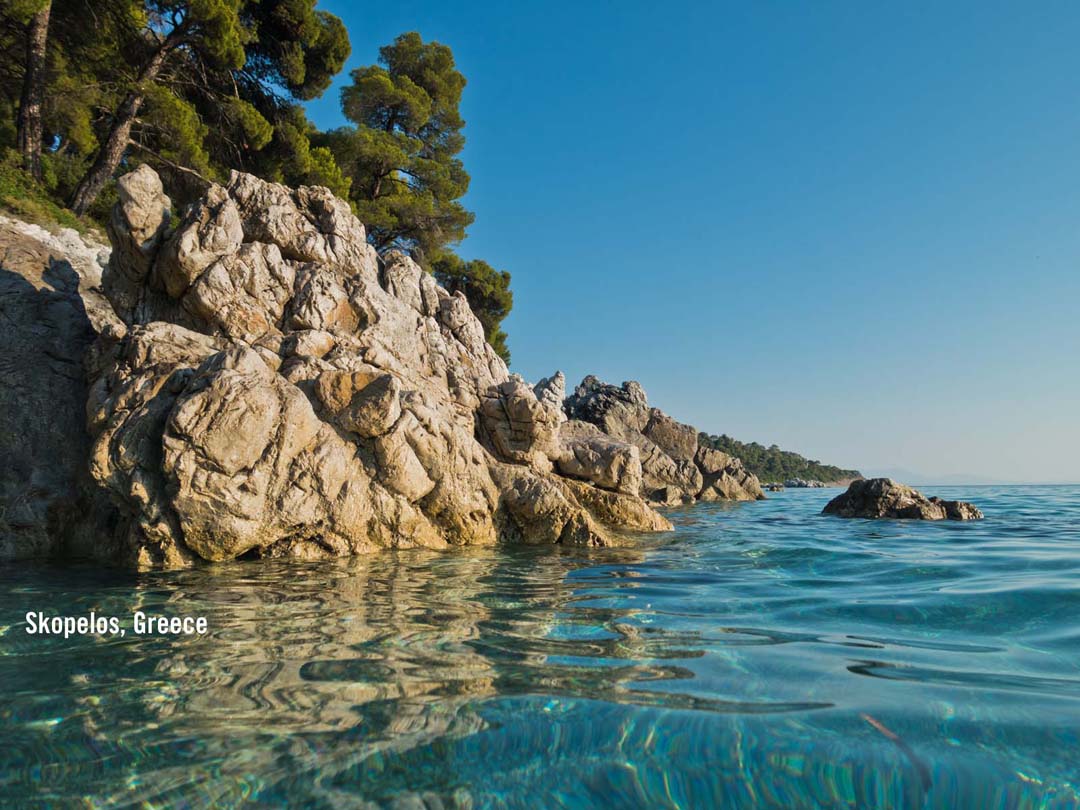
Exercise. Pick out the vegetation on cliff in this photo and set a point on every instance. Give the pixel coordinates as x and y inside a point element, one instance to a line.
<point>771,464</point>
<point>197,88</point>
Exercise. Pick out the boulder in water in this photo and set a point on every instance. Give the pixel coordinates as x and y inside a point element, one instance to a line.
<point>885,498</point>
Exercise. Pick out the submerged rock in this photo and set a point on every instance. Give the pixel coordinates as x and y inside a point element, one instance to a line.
<point>885,498</point>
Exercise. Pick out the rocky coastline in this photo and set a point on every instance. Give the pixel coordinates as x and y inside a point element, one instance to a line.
<point>255,381</point>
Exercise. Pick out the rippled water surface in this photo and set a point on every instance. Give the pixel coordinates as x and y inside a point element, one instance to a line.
<point>760,656</point>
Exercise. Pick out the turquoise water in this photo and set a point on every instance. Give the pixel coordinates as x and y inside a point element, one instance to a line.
<point>760,656</point>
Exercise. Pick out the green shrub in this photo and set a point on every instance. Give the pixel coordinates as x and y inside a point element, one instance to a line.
<point>23,197</point>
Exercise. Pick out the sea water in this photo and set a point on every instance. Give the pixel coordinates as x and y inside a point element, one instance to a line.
<point>759,656</point>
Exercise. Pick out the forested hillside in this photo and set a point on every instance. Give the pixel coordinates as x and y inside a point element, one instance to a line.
<point>771,464</point>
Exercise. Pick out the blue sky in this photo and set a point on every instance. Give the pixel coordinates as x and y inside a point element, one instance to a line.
<point>852,229</point>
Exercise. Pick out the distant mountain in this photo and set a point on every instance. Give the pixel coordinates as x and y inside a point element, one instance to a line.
<point>771,464</point>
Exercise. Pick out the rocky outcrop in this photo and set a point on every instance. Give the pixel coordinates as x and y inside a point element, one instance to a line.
<point>255,381</point>
<point>278,389</point>
<point>674,468</point>
<point>591,455</point>
<point>50,310</point>
<point>885,498</point>
<point>802,483</point>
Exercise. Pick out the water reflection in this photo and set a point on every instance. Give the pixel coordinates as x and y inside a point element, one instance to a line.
<point>747,662</point>
<point>313,669</point>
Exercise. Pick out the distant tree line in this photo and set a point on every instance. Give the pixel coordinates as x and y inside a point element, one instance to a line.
<point>771,464</point>
<point>197,88</point>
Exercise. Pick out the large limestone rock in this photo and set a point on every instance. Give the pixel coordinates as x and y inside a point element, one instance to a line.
<point>278,389</point>
<point>591,455</point>
<point>674,468</point>
<point>724,478</point>
<point>885,498</point>
<point>518,426</point>
<point>50,310</point>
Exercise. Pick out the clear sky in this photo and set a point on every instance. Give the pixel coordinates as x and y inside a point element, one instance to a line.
<point>852,229</point>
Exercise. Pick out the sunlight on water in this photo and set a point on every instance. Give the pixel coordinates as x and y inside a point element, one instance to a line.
<point>760,656</point>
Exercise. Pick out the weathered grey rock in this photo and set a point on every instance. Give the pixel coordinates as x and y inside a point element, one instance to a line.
<point>518,427</point>
<point>593,456</point>
<point>676,439</point>
<point>242,295</point>
<point>209,231</point>
<point>551,391</point>
<point>284,391</point>
<point>613,409</point>
<point>50,309</point>
<point>801,483</point>
<point>674,468</point>
<point>367,403</point>
<point>725,479</point>
<point>308,224</point>
<point>885,498</point>
<point>137,227</point>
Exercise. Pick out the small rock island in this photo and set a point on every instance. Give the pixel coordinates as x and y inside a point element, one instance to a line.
<point>885,498</point>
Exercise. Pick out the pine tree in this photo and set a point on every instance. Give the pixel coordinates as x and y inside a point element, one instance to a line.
<point>401,155</point>
<point>209,84</point>
<point>29,126</point>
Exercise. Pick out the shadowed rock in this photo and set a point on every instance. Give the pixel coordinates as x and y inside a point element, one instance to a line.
<point>50,310</point>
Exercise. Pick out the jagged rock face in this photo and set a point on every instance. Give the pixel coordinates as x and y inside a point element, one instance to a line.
<point>551,391</point>
<point>280,390</point>
<point>592,455</point>
<point>724,478</point>
<point>50,310</point>
<point>885,498</point>
<point>674,469</point>
<point>518,427</point>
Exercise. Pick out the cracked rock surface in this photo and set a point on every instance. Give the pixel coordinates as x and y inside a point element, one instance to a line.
<point>674,469</point>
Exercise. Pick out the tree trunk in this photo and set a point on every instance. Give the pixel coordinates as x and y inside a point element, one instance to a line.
<point>112,151</point>
<point>33,90</point>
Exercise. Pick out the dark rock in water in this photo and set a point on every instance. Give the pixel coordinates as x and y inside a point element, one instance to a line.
<point>774,487</point>
<point>885,498</point>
